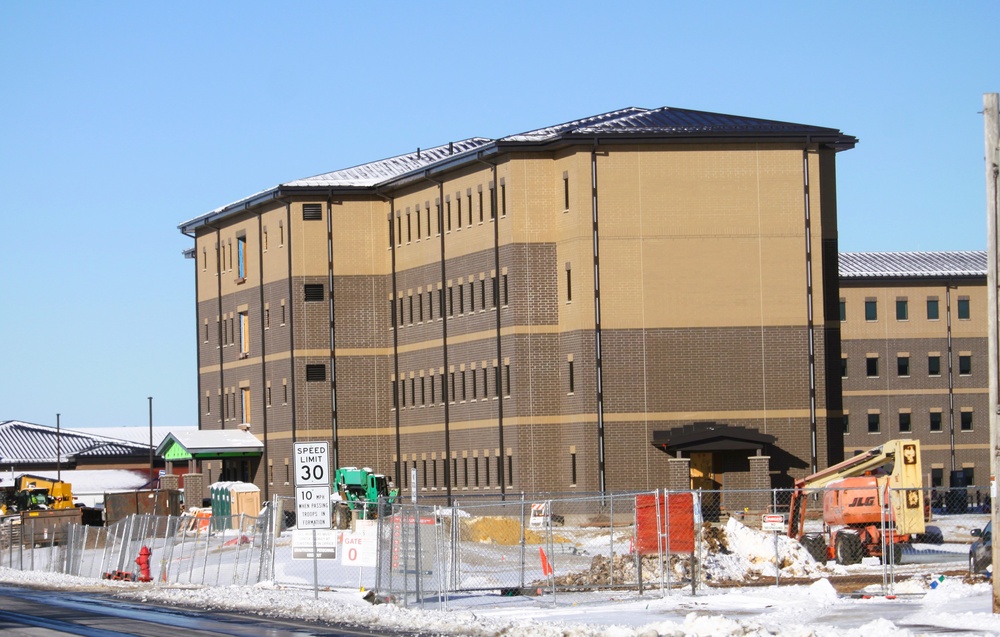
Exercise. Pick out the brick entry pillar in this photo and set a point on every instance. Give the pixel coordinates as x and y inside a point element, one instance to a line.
<point>194,489</point>
<point>760,483</point>
<point>679,474</point>
<point>170,481</point>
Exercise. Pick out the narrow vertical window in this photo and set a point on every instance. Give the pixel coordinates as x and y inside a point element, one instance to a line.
<point>245,404</point>
<point>480,204</point>
<point>572,378</point>
<point>458,210</point>
<point>475,385</point>
<point>472,296</point>
<point>420,307</point>
<point>572,467</point>
<point>423,391</point>
<point>486,386</point>
<point>569,283</point>
<point>402,316</point>
<point>392,313</point>
<point>409,303</point>
<point>503,199</point>
<point>486,465</point>
<point>437,209</point>
<point>447,208</point>
<point>496,381</point>
<point>451,383</point>
<point>461,299</point>
<point>565,191</point>
<point>843,310</point>
<point>469,195</point>
<point>475,470</point>
<point>463,385</point>
<point>465,470</point>
<point>208,404</point>
<point>244,334</point>
<point>267,318</point>
<point>427,207</point>
<point>964,312</point>
<point>871,310</point>
<point>433,389</point>
<point>409,227</point>
<point>482,294</point>
<point>399,229</point>
<point>394,389</point>
<point>284,390</point>
<point>451,301</point>
<point>506,373</point>
<point>510,469</point>
<point>493,291</point>
<point>506,290</point>
<point>419,225</point>
<point>493,202</point>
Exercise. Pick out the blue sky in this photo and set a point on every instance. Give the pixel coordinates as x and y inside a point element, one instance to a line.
<point>119,120</point>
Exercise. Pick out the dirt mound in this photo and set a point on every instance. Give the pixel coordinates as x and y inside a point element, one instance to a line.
<point>500,530</point>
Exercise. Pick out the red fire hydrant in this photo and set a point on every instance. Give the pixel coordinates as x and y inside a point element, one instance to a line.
<point>143,562</point>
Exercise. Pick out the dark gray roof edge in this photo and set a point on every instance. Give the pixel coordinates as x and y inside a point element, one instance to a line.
<point>619,125</point>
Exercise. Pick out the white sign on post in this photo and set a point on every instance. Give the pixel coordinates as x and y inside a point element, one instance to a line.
<point>312,463</point>
<point>772,522</point>
<point>312,485</point>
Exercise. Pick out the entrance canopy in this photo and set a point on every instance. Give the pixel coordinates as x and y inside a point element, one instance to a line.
<point>710,436</point>
<point>209,445</point>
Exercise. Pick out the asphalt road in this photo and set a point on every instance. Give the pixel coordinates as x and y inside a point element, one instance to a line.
<point>28,612</point>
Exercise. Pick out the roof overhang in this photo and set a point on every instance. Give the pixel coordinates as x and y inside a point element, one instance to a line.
<point>711,436</point>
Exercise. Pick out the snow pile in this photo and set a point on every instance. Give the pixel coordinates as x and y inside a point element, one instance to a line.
<point>748,554</point>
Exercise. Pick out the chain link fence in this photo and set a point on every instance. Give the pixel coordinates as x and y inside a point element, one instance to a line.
<point>518,544</point>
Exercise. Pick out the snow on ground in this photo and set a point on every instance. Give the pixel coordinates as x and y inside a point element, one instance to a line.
<point>951,607</point>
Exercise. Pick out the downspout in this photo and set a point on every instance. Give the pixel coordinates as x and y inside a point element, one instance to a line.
<point>219,327</point>
<point>811,328</point>
<point>333,331</point>
<point>197,329</point>
<point>395,334</point>
<point>263,350</point>
<point>951,380</point>
<point>598,368</point>
<point>444,344</point>
<point>496,303</point>
<point>291,320</point>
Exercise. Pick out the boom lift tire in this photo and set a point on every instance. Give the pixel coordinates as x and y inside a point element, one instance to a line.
<point>341,516</point>
<point>847,548</point>
<point>815,545</point>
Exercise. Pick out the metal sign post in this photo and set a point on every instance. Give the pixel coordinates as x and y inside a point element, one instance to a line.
<point>312,494</point>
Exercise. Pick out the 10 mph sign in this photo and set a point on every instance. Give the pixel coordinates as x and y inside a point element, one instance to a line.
<point>312,485</point>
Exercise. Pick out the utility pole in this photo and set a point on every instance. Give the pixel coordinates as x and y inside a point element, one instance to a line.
<point>150,442</point>
<point>58,452</point>
<point>992,131</point>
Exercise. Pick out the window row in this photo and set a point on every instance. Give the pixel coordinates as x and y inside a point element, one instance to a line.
<point>230,257</point>
<point>457,299</point>
<point>470,470</point>
<point>459,385</point>
<point>228,402</point>
<point>414,224</point>
<point>235,328</point>
<point>933,309</point>
<point>903,367</point>
<point>934,420</point>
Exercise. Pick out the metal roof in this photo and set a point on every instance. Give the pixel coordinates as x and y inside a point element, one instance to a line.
<point>628,124</point>
<point>24,442</point>
<point>197,441</point>
<point>870,265</point>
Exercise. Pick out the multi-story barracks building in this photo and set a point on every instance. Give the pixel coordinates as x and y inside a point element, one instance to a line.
<point>914,361</point>
<point>639,299</point>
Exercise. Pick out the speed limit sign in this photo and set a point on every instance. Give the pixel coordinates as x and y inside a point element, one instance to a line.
<point>312,464</point>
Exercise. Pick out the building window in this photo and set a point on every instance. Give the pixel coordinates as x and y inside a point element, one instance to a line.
<point>472,296</point>
<point>267,318</point>
<point>565,191</point>
<point>451,384</point>
<point>315,373</point>
<point>486,465</point>
<point>469,194</point>
<point>409,304</point>
<point>871,310</point>
<point>970,475</point>
<point>475,471</point>
<point>208,404</point>
<point>461,299</point>
<point>458,210</point>
<point>904,422</point>
<point>493,291</point>
<point>935,421</point>
<point>506,380</point>
<point>451,301</point>
<point>465,470</point>
<point>267,394</point>
<point>503,199</point>
<point>933,365</point>
<point>510,469</point>
<point>963,308</point>
<point>409,229</point>
<point>475,384</point>
<point>313,292</point>
<point>464,394</point>
<point>843,310</point>
<point>569,283</point>
<point>482,294</point>
<point>572,378</point>
<point>506,297</point>
<point>902,310</point>
<point>847,424</point>
<point>420,226</point>
<point>965,365</point>
<point>241,257</point>
<point>572,468</point>
<point>245,403</point>
<point>447,210</point>
<point>873,423</point>
<point>966,421</point>
<point>932,309</point>
<point>480,204</point>
<point>871,366</point>
<point>244,334</point>
<point>496,381</point>
<point>493,202</point>
<point>843,367</point>
<point>937,478</point>
<point>903,365</point>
